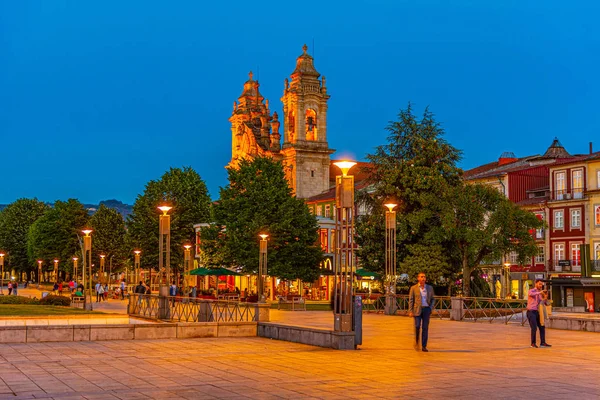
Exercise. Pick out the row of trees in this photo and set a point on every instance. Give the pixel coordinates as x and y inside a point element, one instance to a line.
<point>31,230</point>
<point>446,227</point>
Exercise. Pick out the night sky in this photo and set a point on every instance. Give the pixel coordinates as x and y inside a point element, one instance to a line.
<point>97,98</point>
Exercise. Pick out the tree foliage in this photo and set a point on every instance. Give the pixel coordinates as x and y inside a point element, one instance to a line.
<point>484,226</point>
<point>259,200</point>
<point>15,221</point>
<point>185,191</point>
<point>108,236</point>
<point>417,170</point>
<point>56,234</point>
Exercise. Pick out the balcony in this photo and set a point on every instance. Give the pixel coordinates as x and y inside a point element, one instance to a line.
<point>565,266</point>
<point>572,194</point>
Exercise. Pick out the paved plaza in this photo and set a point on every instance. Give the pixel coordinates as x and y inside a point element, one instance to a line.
<point>466,361</point>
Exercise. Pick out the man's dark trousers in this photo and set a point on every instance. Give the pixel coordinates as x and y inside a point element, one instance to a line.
<point>534,322</point>
<point>422,322</point>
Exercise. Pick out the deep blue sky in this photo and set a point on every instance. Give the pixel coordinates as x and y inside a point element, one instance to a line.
<point>97,98</point>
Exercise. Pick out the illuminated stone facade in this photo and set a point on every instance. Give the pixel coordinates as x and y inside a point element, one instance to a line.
<point>305,153</point>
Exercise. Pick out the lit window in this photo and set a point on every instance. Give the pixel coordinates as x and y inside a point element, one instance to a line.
<point>559,219</point>
<point>559,185</point>
<point>576,218</point>
<point>577,178</point>
<point>597,251</point>
<point>539,233</point>
<point>597,214</point>
<point>513,258</point>
<point>319,210</point>
<point>575,254</point>
<point>559,252</point>
<point>327,211</point>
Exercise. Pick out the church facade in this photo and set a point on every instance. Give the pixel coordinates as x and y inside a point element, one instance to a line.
<point>304,153</point>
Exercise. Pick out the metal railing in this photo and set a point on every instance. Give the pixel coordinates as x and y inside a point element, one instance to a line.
<point>473,308</point>
<point>490,310</point>
<point>572,194</point>
<point>184,309</point>
<point>565,265</point>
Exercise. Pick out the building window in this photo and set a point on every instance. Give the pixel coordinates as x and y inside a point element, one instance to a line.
<point>539,233</point>
<point>575,254</point>
<point>319,210</point>
<point>576,218</point>
<point>577,183</point>
<point>598,179</point>
<point>597,214</point>
<point>513,258</point>
<point>559,252</point>
<point>559,219</point>
<point>311,210</point>
<point>327,211</point>
<point>312,173</point>
<point>324,241</point>
<point>560,185</point>
<point>597,251</point>
<point>540,258</point>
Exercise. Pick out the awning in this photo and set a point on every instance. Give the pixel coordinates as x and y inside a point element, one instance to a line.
<point>363,273</point>
<point>213,272</point>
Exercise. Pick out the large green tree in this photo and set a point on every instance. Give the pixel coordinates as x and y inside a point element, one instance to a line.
<point>56,234</point>
<point>258,200</point>
<point>483,225</point>
<point>417,170</point>
<point>185,191</point>
<point>108,237</point>
<point>15,221</point>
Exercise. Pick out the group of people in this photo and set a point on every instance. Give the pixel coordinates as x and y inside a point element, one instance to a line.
<point>421,302</point>
<point>13,288</point>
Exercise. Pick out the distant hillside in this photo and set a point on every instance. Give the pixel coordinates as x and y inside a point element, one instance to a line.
<point>122,208</point>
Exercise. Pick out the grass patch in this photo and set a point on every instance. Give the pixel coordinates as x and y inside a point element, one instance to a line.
<point>34,310</point>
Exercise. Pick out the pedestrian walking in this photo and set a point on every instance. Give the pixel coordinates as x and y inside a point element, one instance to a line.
<point>106,292</point>
<point>537,298</point>
<point>420,304</point>
<point>123,290</point>
<point>99,292</point>
<point>60,288</point>
<point>9,288</point>
<point>15,288</point>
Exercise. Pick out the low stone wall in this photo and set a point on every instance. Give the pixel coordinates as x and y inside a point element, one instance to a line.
<point>76,333</point>
<point>92,319</point>
<point>569,309</point>
<point>574,324</point>
<point>312,336</point>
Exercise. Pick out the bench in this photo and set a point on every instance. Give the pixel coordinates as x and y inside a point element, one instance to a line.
<point>77,301</point>
<point>292,302</point>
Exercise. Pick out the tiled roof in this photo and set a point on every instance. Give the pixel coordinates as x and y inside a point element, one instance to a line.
<point>494,168</point>
<point>533,201</point>
<point>579,158</point>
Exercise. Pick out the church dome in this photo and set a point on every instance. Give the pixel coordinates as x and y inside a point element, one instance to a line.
<point>305,65</point>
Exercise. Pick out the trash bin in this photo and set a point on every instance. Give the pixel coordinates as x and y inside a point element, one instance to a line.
<point>357,320</point>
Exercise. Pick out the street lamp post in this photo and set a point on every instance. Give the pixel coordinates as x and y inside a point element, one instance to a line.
<point>39,272</point>
<point>56,270</point>
<point>2,279</point>
<point>164,260</point>
<point>505,291</point>
<point>102,257</point>
<point>390,259</point>
<point>344,249</point>
<point>187,258</point>
<point>87,261</point>
<point>262,268</point>
<point>136,265</point>
<point>75,270</point>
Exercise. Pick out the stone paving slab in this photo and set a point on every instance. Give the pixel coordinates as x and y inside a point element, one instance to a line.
<point>466,361</point>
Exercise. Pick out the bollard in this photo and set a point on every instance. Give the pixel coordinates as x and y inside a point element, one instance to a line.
<point>457,312</point>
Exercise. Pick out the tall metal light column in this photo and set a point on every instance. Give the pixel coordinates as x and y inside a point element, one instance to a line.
<point>102,257</point>
<point>136,266</point>
<point>344,249</point>
<point>2,279</point>
<point>39,272</point>
<point>164,231</point>
<point>87,261</point>
<point>390,259</point>
<point>506,290</point>
<point>55,270</point>
<point>262,268</point>
<point>75,270</point>
<point>187,258</point>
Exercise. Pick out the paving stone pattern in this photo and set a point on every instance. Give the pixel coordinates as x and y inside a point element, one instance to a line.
<point>466,361</point>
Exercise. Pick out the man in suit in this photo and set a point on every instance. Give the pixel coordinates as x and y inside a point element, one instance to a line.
<point>420,304</point>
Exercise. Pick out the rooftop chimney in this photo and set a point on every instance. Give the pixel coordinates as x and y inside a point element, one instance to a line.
<point>507,157</point>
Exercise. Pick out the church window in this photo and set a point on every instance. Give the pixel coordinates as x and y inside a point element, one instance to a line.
<point>291,122</point>
<point>311,124</point>
<point>312,173</point>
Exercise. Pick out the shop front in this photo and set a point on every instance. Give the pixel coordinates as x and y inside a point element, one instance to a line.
<point>521,282</point>
<point>576,294</point>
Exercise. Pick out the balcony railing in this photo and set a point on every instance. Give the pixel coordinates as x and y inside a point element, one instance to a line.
<point>571,194</point>
<point>565,266</point>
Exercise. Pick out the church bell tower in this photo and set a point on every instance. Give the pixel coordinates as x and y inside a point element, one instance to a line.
<point>306,153</point>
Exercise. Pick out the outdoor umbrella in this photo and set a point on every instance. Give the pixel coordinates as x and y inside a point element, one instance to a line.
<point>213,272</point>
<point>363,273</point>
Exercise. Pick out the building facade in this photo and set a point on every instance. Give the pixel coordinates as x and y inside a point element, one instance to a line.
<point>305,152</point>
